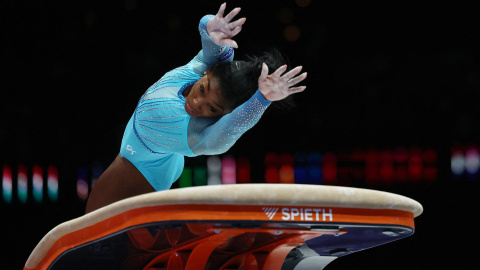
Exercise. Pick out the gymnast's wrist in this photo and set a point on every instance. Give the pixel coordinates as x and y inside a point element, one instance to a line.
<point>261,98</point>
<point>207,19</point>
<point>204,22</point>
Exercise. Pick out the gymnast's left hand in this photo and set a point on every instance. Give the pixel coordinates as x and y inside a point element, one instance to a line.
<point>221,30</point>
<point>276,86</point>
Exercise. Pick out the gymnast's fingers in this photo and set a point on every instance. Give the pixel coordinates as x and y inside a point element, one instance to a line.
<point>264,73</point>
<point>297,79</point>
<point>221,10</point>
<point>280,70</point>
<point>236,30</point>
<point>297,89</point>
<point>292,73</point>
<point>232,14</point>
<point>237,23</point>
<point>230,42</point>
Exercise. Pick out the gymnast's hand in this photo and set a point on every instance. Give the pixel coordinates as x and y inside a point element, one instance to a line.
<point>221,30</point>
<point>277,87</point>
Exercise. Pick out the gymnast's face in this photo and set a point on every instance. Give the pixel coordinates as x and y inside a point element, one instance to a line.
<point>204,99</point>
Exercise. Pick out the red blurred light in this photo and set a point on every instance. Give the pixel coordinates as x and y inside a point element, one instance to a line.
<point>7,184</point>
<point>243,170</point>
<point>272,159</point>
<point>272,168</point>
<point>400,157</point>
<point>357,159</point>
<point>415,165</point>
<point>329,164</point>
<point>371,167</point>
<point>386,170</point>
<point>271,175</point>
<point>430,171</point>
<point>286,174</point>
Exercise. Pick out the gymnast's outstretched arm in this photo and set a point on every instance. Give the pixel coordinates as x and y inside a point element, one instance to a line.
<point>216,39</point>
<point>217,138</point>
<point>216,32</point>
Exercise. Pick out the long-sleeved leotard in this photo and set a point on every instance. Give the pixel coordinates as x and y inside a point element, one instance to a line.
<point>160,132</point>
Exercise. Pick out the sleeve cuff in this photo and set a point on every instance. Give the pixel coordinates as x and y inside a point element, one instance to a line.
<point>203,22</point>
<point>258,95</point>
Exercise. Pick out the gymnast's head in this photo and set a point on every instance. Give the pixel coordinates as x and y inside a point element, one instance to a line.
<point>227,85</point>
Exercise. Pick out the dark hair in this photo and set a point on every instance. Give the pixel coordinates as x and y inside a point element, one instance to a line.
<point>239,79</point>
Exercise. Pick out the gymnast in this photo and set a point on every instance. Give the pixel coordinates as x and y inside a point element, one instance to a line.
<point>201,108</point>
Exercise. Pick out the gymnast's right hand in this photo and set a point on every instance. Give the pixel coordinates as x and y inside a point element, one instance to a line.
<point>277,86</point>
<point>221,30</point>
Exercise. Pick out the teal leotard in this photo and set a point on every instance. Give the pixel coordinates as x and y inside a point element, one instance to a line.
<point>160,132</point>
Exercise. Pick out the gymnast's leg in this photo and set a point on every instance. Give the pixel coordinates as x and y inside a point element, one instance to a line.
<point>119,181</point>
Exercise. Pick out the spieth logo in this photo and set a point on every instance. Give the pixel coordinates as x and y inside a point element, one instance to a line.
<point>300,214</point>
<point>270,211</point>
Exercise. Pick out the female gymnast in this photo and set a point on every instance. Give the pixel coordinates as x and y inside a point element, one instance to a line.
<point>201,108</point>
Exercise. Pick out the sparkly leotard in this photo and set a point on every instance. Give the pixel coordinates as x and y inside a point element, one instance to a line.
<point>160,132</point>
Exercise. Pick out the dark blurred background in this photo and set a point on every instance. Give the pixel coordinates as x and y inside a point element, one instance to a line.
<point>380,77</point>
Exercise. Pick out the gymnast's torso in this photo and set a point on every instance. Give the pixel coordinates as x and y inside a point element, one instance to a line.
<point>160,132</point>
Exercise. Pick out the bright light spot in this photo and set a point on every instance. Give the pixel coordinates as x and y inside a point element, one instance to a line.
<point>82,189</point>
<point>286,174</point>
<point>82,184</point>
<point>229,175</point>
<point>214,167</point>
<point>22,191</point>
<point>472,161</point>
<point>52,183</point>
<point>37,180</point>
<point>271,167</point>
<point>457,163</point>
<point>7,184</point>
